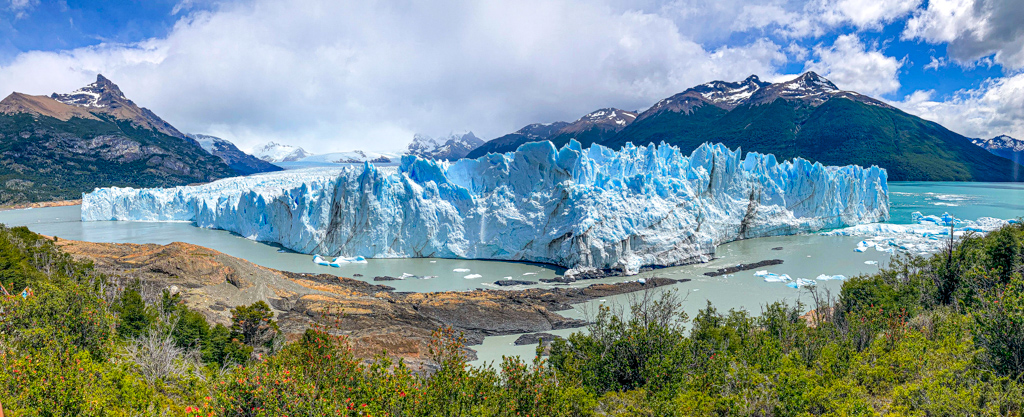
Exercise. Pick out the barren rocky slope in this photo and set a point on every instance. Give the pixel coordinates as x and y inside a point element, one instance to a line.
<point>375,317</point>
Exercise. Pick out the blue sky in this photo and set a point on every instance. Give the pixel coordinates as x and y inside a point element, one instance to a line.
<point>341,75</point>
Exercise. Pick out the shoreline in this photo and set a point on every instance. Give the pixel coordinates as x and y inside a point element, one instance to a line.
<point>42,204</point>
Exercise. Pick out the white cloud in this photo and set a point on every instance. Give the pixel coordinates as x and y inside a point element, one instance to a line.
<point>995,108</point>
<point>852,66</point>
<point>799,18</point>
<point>974,29</point>
<point>862,14</point>
<point>936,63</point>
<point>342,75</point>
<point>21,8</point>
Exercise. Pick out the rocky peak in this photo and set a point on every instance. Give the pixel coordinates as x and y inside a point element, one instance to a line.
<point>541,131</point>
<point>102,93</point>
<point>276,152</point>
<point>809,88</point>
<point>422,144</point>
<point>616,116</point>
<point>728,95</point>
<point>1001,142</point>
<point>104,97</point>
<point>454,146</point>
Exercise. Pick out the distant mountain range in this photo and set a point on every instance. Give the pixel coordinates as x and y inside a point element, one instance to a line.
<point>807,117</point>
<point>241,162</point>
<point>454,146</point>
<point>57,147</point>
<point>1004,146</point>
<point>595,127</point>
<point>451,147</point>
<point>276,152</point>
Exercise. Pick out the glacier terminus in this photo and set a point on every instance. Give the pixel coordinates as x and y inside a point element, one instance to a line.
<point>591,210</point>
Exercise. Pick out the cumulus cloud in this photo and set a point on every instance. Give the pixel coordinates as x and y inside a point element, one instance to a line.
<point>995,108</point>
<point>798,18</point>
<point>852,66</point>
<point>343,75</point>
<point>861,14</point>
<point>974,29</point>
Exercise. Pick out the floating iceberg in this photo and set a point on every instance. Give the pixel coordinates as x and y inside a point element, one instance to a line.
<point>824,277</point>
<point>926,235</point>
<point>583,209</point>
<point>473,276</point>
<point>772,277</point>
<point>800,283</point>
<point>339,261</point>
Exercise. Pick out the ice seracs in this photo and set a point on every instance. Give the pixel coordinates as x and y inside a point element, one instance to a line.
<point>927,233</point>
<point>584,209</point>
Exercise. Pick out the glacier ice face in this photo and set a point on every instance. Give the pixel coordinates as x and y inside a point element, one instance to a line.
<point>584,209</point>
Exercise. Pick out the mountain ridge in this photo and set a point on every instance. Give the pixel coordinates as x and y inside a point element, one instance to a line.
<point>240,162</point>
<point>1004,146</point>
<point>808,117</point>
<point>57,147</point>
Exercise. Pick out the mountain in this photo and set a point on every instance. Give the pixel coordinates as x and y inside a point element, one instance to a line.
<point>276,152</point>
<point>455,146</point>
<point>810,117</point>
<point>595,127</point>
<point>508,143</point>
<point>103,96</point>
<point>241,162</point>
<point>1004,146</point>
<point>57,147</point>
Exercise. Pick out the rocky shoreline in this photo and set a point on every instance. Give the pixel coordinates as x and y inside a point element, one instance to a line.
<point>374,317</point>
<point>41,204</point>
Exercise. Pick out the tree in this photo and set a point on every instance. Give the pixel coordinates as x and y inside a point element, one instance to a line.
<point>134,316</point>
<point>254,325</point>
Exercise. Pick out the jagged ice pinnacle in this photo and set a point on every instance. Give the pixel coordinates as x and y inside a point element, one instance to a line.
<point>584,209</point>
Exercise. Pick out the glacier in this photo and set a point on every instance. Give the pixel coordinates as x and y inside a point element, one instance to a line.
<point>591,210</point>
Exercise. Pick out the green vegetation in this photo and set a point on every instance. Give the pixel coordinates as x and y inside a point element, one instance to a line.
<point>925,337</point>
<point>43,159</point>
<point>839,132</point>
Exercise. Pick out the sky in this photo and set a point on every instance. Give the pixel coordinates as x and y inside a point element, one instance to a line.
<point>338,75</point>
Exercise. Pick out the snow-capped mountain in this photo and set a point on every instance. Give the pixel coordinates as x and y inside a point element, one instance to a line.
<point>572,206</point>
<point>541,131</point>
<point>593,127</point>
<point>810,89</point>
<point>811,117</point>
<point>354,157</point>
<point>102,93</point>
<point>276,152</point>
<point>1004,146</point>
<point>454,146</point>
<point>723,94</point>
<point>94,137</point>
<point>103,96</point>
<point>241,162</point>
<point>610,117</point>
